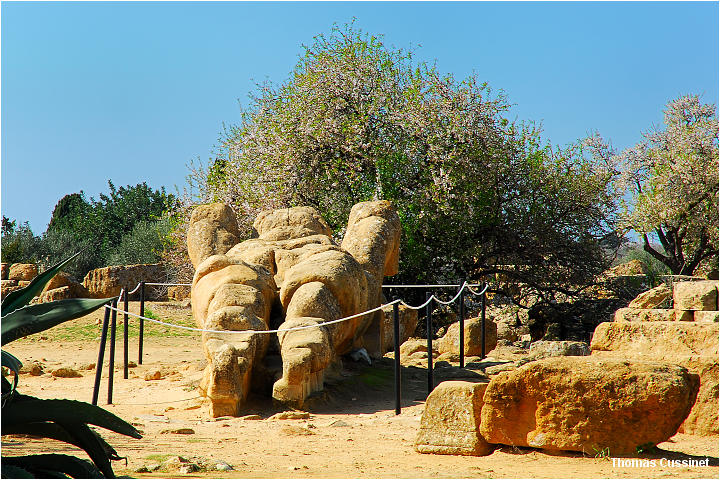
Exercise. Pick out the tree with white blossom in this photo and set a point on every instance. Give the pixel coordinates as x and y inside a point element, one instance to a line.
<point>477,193</point>
<point>672,180</point>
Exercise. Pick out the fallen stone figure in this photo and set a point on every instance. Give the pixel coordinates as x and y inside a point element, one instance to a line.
<point>291,275</point>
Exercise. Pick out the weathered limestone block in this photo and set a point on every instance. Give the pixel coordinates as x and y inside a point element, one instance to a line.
<point>61,279</point>
<point>23,271</point>
<point>691,345</point>
<point>563,348</point>
<point>657,340</point>
<point>656,297</point>
<point>711,317</point>
<point>701,295</point>
<point>450,342</point>
<point>8,286</point>
<point>4,271</point>
<point>408,322</point>
<point>633,267</point>
<point>450,421</point>
<point>290,223</point>
<point>630,314</point>
<point>178,292</point>
<point>213,230</point>
<point>108,281</point>
<point>684,316</point>
<point>587,404</point>
<point>703,418</point>
<point>74,290</point>
<point>414,345</point>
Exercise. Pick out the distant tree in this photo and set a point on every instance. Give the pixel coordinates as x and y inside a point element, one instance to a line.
<point>477,193</point>
<point>98,227</point>
<point>144,244</point>
<point>672,179</point>
<point>70,212</point>
<point>19,243</point>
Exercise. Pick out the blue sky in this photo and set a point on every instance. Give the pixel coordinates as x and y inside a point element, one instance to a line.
<point>134,91</point>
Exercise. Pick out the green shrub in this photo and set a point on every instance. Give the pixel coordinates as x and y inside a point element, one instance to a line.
<point>144,244</point>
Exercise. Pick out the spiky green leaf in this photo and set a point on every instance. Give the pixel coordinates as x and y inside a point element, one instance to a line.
<point>28,409</point>
<point>47,464</point>
<point>22,297</point>
<point>78,434</point>
<point>11,361</point>
<point>37,318</point>
<point>11,471</point>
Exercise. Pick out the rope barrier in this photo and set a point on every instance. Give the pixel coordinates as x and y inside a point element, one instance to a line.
<point>478,293</point>
<point>383,286</point>
<point>304,327</point>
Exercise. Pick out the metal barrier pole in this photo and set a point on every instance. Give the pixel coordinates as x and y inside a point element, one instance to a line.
<point>101,356</point>
<point>111,360</point>
<point>429,329</point>
<point>142,322</point>
<point>482,321</point>
<point>125,336</point>
<point>396,324</point>
<point>462,326</point>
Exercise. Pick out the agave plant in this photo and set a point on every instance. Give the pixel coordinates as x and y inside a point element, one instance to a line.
<point>58,419</point>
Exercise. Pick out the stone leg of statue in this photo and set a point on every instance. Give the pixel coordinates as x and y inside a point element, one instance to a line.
<point>231,357</point>
<point>306,353</point>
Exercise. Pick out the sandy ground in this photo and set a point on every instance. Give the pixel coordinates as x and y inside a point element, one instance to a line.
<point>352,430</point>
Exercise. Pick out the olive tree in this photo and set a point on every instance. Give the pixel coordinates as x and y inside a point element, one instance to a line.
<point>477,194</point>
<point>672,180</point>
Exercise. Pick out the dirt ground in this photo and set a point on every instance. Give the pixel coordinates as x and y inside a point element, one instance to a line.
<point>352,430</point>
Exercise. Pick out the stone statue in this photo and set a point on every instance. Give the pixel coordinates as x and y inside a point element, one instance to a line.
<point>291,274</point>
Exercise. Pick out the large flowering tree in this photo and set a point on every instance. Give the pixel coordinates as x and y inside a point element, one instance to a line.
<point>672,179</point>
<point>477,194</point>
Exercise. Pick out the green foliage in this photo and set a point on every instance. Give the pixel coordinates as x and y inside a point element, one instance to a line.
<point>671,179</point>
<point>19,244</point>
<point>124,226</point>
<point>654,268</point>
<point>477,194</point>
<point>144,244</point>
<point>63,420</point>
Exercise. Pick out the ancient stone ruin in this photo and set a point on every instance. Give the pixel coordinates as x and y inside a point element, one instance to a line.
<point>291,275</point>
<point>653,372</point>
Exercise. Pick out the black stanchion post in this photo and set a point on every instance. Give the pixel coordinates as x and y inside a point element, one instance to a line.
<point>429,329</point>
<point>125,335</point>
<point>101,357</point>
<point>396,325</point>
<point>462,325</point>
<point>142,322</point>
<point>482,321</point>
<point>111,360</point>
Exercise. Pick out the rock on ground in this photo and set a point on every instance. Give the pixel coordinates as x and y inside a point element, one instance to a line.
<point>562,348</point>
<point>23,271</point>
<point>631,314</point>
<point>450,342</point>
<point>657,340</point>
<point>450,421</point>
<point>658,297</point>
<point>587,404</point>
<point>108,281</point>
<point>701,295</point>
<point>691,345</point>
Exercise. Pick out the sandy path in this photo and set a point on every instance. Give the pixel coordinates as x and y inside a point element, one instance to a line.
<point>352,430</point>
